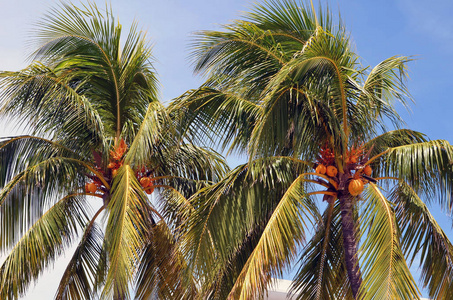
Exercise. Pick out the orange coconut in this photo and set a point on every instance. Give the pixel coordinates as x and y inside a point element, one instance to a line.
<point>368,170</point>
<point>332,171</point>
<point>145,181</point>
<point>355,187</point>
<point>321,169</point>
<point>91,187</point>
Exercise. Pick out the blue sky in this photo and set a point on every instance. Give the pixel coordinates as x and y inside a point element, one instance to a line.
<point>379,29</point>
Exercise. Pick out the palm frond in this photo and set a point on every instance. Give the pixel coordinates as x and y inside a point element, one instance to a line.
<point>128,221</point>
<point>297,20</point>
<point>310,92</point>
<point>229,217</point>
<point>244,51</point>
<point>153,131</point>
<point>425,166</point>
<point>386,274</point>
<point>86,43</point>
<point>322,272</point>
<point>21,152</point>
<point>386,82</point>
<point>212,116</point>
<point>30,192</point>
<point>78,279</point>
<point>44,241</point>
<point>161,268</point>
<point>423,239</point>
<point>50,104</point>
<point>193,162</point>
<point>394,138</point>
<point>284,231</point>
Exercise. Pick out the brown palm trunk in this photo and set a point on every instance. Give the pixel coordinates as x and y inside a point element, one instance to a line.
<point>350,244</point>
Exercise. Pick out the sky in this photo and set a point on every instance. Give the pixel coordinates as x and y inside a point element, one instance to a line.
<point>379,29</point>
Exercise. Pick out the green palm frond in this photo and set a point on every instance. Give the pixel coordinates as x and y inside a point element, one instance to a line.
<point>426,166</point>
<point>307,119</point>
<point>385,272</point>
<point>423,239</point>
<point>44,241</point>
<point>394,138</point>
<point>21,152</point>
<point>310,91</point>
<point>78,279</point>
<point>173,200</point>
<point>226,213</point>
<point>297,20</point>
<point>161,269</point>
<point>153,131</point>
<point>386,83</point>
<point>204,219</point>
<point>185,168</point>
<point>128,220</point>
<point>284,231</point>
<point>190,161</point>
<point>216,116</point>
<point>322,274</point>
<point>27,195</point>
<point>87,44</point>
<point>243,51</point>
<point>220,285</point>
<point>50,104</point>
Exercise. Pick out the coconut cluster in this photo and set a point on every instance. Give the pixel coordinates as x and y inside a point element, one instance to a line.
<point>355,159</point>
<point>116,160</point>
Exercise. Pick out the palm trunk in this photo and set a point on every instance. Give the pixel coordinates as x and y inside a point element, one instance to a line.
<point>350,244</point>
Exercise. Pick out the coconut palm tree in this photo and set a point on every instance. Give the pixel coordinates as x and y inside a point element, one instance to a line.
<point>99,138</point>
<point>284,87</point>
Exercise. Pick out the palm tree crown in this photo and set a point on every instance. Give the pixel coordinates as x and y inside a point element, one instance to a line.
<point>98,131</point>
<point>284,86</point>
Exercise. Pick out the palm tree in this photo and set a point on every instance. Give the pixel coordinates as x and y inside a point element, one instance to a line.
<point>284,87</point>
<point>98,131</point>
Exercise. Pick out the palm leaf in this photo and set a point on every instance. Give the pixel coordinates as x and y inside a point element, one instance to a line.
<point>86,43</point>
<point>216,116</point>
<point>40,245</point>
<point>322,272</point>
<point>277,244</point>
<point>49,102</point>
<point>423,239</point>
<point>161,268</point>
<point>78,279</point>
<point>228,217</point>
<point>125,232</point>
<point>21,152</point>
<point>394,138</point>
<point>243,51</point>
<point>386,274</point>
<point>425,166</point>
<point>30,192</point>
<point>153,130</point>
<point>386,83</point>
